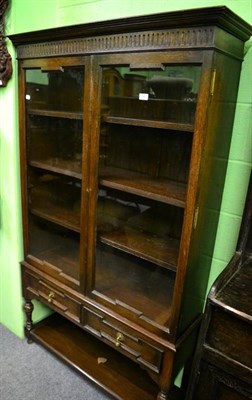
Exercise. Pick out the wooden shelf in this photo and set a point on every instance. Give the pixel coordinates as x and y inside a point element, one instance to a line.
<point>82,351</point>
<point>58,215</point>
<point>56,113</point>
<point>60,166</point>
<point>148,123</point>
<point>56,200</point>
<point>146,246</point>
<point>169,192</point>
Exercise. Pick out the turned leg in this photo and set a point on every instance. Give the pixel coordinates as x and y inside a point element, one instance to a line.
<point>162,395</point>
<point>28,309</point>
<point>166,374</point>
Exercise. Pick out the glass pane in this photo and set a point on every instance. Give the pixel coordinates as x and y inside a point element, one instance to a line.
<point>140,287</point>
<point>55,245</point>
<point>167,95</point>
<point>146,137</point>
<point>136,252</point>
<point>54,126</point>
<point>55,90</point>
<point>145,161</point>
<point>54,120</point>
<point>54,205</point>
<point>55,144</point>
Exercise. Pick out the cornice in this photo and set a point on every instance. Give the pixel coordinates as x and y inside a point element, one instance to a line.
<point>219,16</point>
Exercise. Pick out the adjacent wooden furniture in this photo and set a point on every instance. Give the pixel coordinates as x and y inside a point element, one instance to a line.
<point>125,129</point>
<point>222,368</point>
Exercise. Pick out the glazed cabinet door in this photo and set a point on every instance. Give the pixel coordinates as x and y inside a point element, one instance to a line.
<point>53,140</point>
<point>145,141</point>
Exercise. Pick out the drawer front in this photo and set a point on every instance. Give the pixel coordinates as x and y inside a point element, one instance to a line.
<point>122,338</point>
<point>51,295</point>
<point>231,336</point>
<point>215,384</point>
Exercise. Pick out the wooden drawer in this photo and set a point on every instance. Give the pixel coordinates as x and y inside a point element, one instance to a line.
<point>51,295</point>
<point>231,336</point>
<point>122,338</point>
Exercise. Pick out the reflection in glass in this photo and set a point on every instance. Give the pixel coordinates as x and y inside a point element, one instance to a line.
<point>167,95</point>
<point>57,90</point>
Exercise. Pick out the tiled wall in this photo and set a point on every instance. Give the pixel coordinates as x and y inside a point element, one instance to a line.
<point>238,172</point>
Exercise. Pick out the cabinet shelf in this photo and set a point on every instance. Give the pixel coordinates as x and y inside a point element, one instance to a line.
<point>60,166</point>
<point>58,215</point>
<point>149,123</point>
<point>82,353</point>
<point>56,113</point>
<point>163,252</point>
<point>163,190</point>
<point>56,200</point>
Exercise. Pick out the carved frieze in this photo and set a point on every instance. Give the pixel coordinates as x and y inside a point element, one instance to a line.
<point>140,41</point>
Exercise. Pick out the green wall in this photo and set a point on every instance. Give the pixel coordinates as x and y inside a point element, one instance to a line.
<point>25,16</point>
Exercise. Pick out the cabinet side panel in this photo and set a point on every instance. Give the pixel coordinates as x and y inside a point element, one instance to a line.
<point>22,143</point>
<point>217,137</point>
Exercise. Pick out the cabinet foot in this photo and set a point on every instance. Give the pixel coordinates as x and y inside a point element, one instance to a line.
<point>28,309</point>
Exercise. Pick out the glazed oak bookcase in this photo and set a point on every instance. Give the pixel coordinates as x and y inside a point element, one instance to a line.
<point>125,129</point>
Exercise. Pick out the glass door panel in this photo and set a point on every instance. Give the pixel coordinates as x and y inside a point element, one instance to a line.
<point>146,135</point>
<point>168,94</point>
<point>54,126</point>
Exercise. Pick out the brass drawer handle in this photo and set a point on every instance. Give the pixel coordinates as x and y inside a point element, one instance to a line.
<point>119,339</point>
<point>50,297</point>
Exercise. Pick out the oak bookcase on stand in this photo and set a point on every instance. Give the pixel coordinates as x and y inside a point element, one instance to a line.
<point>125,128</point>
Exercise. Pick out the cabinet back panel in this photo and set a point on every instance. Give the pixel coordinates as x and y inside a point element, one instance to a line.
<point>54,138</point>
<point>149,151</point>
